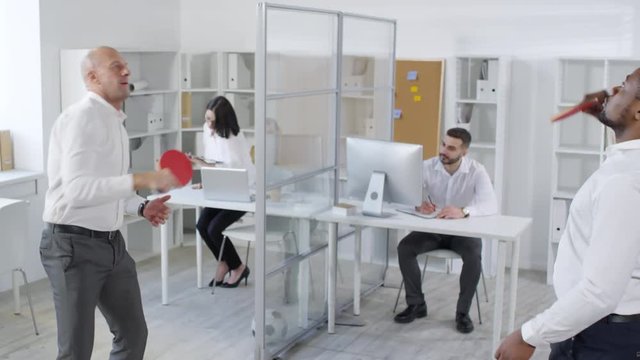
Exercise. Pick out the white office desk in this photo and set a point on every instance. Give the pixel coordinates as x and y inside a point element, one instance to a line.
<point>504,229</point>
<point>300,207</point>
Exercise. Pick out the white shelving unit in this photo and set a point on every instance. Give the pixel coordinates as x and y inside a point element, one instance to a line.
<point>579,143</point>
<point>482,95</point>
<point>482,89</point>
<point>207,75</point>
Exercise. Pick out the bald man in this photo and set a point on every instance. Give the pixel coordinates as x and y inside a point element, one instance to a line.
<point>89,192</point>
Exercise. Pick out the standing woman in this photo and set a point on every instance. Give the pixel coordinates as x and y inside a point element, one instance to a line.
<point>224,143</point>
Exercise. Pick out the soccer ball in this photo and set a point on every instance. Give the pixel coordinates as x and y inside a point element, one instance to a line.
<point>275,326</point>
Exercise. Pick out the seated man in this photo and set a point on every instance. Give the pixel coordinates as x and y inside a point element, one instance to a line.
<point>457,187</point>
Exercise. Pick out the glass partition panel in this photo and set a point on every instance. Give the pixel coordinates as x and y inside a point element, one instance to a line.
<point>301,51</point>
<point>297,117</point>
<point>367,60</point>
<point>366,113</point>
<point>300,136</point>
<point>294,300</point>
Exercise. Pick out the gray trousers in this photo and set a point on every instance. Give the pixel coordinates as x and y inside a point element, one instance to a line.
<point>416,243</point>
<point>86,272</point>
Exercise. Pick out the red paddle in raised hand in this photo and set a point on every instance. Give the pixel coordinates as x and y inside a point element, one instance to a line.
<point>585,105</point>
<point>178,163</point>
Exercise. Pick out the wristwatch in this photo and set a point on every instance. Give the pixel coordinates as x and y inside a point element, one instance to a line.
<point>466,212</point>
<point>141,208</point>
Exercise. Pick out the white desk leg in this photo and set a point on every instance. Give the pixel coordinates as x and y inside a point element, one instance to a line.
<point>179,228</point>
<point>356,270</point>
<point>331,281</point>
<point>16,291</point>
<point>513,287</point>
<point>198,253</point>
<point>304,243</point>
<point>164,261</point>
<point>498,305</point>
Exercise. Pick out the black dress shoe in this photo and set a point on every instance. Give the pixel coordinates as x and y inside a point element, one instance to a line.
<point>411,313</point>
<point>244,276</point>
<point>464,323</point>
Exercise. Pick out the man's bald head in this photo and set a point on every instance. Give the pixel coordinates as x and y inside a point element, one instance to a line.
<point>105,73</point>
<point>94,58</point>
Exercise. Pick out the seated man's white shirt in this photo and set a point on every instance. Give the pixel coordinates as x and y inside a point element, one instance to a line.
<point>469,187</point>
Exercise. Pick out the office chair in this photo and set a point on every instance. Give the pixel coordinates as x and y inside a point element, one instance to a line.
<point>447,255</point>
<point>14,224</point>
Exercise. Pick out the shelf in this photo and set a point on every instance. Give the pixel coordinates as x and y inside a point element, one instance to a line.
<point>566,195</point>
<point>192,129</point>
<point>197,90</point>
<point>489,146</point>
<point>576,151</point>
<point>475,101</point>
<point>357,97</point>
<point>239,91</point>
<point>139,134</point>
<point>152,92</point>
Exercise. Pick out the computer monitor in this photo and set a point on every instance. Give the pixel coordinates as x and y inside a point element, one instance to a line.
<point>401,165</point>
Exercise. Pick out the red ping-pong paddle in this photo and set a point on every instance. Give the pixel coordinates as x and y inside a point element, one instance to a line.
<point>574,110</point>
<point>178,163</point>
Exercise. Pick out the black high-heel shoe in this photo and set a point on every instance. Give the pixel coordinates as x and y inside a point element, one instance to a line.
<point>245,276</point>
<point>218,283</point>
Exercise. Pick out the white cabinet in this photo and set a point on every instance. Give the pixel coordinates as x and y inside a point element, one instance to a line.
<point>579,142</point>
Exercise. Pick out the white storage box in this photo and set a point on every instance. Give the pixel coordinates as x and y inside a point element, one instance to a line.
<point>486,90</point>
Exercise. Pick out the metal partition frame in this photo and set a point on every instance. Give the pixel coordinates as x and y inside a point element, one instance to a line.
<point>261,98</point>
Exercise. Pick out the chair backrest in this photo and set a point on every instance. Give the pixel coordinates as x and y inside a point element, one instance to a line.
<point>13,233</point>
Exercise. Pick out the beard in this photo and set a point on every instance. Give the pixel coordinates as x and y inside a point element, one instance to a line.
<point>604,120</point>
<point>448,161</point>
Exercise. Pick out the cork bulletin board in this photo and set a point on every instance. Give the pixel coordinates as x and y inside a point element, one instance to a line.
<point>418,103</point>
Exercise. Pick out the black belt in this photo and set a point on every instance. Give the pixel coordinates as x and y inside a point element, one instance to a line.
<point>79,230</point>
<point>617,319</point>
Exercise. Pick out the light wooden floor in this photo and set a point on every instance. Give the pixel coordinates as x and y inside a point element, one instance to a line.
<point>197,325</point>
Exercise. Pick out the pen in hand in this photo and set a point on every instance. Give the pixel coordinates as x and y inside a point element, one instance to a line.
<point>427,206</point>
<point>431,201</point>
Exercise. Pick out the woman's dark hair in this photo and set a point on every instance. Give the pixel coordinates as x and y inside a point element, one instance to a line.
<point>226,122</point>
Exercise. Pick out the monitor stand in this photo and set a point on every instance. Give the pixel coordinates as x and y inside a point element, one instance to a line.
<point>372,205</point>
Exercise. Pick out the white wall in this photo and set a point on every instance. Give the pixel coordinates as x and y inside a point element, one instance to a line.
<point>533,33</point>
<point>20,95</point>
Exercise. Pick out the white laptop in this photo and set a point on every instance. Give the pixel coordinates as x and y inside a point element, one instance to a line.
<point>225,184</point>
